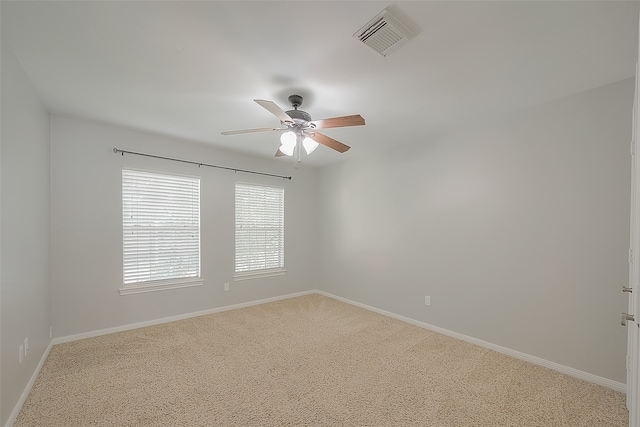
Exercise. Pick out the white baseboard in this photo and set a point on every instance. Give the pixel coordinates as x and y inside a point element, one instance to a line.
<point>605,382</point>
<point>131,326</point>
<point>27,389</point>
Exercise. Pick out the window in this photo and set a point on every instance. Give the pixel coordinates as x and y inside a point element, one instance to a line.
<point>161,231</point>
<point>259,231</point>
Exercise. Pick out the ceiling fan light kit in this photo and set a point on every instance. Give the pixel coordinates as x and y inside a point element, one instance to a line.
<point>300,129</point>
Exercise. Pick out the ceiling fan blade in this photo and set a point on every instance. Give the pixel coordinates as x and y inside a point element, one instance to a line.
<point>235,132</point>
<point>329,142</point>
<point>280,153</point>
<point>275,110</point>
<point>336,122</point>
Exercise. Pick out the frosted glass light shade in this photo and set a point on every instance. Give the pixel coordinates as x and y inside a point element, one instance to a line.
<point>309,145</point>
<point>287,150</point>
<point>288,138</point>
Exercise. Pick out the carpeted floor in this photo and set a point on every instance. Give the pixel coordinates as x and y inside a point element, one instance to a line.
<point>306,361</point>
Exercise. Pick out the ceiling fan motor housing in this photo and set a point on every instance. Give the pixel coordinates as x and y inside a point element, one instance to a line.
<point>299,115</point>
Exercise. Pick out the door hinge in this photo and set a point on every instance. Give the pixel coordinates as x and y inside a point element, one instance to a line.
<point>628,364</point>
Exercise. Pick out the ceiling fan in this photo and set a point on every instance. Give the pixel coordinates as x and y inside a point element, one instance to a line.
<point>300,129</point>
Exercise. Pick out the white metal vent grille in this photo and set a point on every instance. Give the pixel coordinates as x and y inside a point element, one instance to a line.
<point>384,33</point>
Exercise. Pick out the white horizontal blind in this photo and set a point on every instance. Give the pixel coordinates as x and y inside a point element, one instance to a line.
<point>161,227</point>
<point>259,228</point>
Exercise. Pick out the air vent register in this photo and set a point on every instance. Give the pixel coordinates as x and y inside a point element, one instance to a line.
<point>384,33</point>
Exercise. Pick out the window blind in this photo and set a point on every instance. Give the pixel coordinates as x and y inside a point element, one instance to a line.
<point>259,228</point>
<point>161,227</point>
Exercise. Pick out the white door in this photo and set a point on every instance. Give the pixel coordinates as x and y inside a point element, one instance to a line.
<point>632,317</point>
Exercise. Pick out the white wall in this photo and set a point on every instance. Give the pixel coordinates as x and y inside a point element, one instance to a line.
<point>518,230</point>
<point>25,307</point>
<point>86,227</point>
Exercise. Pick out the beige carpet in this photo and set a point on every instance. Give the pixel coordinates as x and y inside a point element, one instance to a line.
<point>306,361</point>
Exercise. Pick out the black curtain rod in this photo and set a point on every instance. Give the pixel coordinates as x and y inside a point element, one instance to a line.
<point>117,150</point>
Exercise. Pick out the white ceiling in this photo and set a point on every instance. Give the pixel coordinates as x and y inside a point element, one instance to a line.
<point>191,69</point>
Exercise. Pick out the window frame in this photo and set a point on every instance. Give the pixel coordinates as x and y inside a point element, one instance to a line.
<point>168,283</point>
<point>261,272</point>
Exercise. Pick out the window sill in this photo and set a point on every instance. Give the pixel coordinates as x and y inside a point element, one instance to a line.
<point>162,285</point>
<point>258,274</point>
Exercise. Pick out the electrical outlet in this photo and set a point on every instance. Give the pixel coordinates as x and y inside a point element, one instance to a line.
<point>226,286</point>
<point>26,347</point>
<point>21,353</point>
<point>427,300</point>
